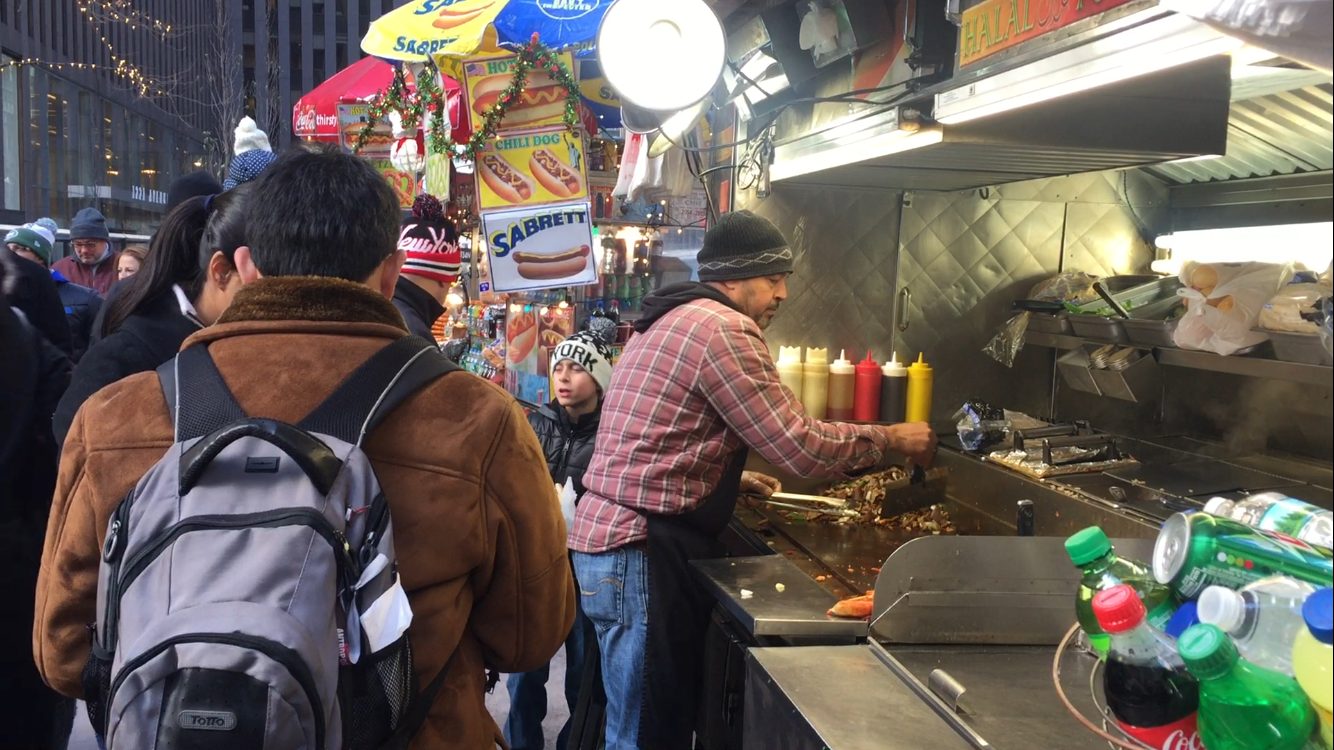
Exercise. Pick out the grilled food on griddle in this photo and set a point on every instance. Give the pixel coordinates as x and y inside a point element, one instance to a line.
<point>865,494</point>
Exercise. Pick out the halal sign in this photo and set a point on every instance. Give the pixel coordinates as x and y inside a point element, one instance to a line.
<point>567,10</point>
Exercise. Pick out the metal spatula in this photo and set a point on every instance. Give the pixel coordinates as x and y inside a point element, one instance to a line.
<point>921,489</point>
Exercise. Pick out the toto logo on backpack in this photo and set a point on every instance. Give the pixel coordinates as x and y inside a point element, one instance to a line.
<point>213,721</point>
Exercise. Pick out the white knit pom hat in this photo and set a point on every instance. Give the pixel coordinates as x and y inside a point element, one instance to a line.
<point>250,138</point>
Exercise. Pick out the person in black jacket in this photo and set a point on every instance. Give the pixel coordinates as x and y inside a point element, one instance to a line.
<point>566,428</point>
<point>81,303</point>
<point>433,264</point>
<point>187,280</point>
<point>33,373</point>
<point>31,288</point>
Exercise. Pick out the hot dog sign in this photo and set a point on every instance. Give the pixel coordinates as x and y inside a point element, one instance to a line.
<point>531,168</point>
<point>540,248</point>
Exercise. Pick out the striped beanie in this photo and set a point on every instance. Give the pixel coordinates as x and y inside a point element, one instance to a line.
<point>431,242</point>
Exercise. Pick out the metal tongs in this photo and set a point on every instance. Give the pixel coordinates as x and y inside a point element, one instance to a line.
<point>830,506</point>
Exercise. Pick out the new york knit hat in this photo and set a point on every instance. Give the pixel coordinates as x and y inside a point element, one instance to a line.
<point>742,245</point>
<point>431,242</point>
<point>34,241</point>
<point>589,352</point>
<point>89,224</point>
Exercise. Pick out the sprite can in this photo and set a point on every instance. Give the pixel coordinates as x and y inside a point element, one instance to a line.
<point>1195,550</point>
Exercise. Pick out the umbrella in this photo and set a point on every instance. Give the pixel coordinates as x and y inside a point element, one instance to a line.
<point>424,28</point>
<point>315,115</point>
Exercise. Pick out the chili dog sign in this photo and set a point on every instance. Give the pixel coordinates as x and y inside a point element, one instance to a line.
<point>531,168</point>
<point>540,248</point>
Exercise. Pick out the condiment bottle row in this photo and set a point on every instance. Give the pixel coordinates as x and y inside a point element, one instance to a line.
<point>865,392</point>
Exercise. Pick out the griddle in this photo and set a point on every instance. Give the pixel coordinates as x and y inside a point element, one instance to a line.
<point>1196,477</point>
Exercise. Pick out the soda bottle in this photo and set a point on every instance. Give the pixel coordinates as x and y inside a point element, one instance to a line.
<point>1091,551</point>
<point>1272,511</point>
<point>1195,550</point>
<point>1311,654</point>
<point>1243,706</point>
<point>1150,694</point>
<point>1263,618</point>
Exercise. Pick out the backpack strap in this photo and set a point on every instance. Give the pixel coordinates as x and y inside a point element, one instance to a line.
<point>420,707</point>
<point>198,397</point>
<point>374,389</point>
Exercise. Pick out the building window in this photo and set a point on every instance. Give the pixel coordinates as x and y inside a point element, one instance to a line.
<point>9,148</point>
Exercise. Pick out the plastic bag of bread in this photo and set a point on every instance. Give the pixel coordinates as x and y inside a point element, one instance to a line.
<point>1296,308</point>
<point>1223,303</point>
<point>1068,286</point>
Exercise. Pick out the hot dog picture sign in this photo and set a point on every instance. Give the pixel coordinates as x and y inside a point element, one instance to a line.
<point>531,168</point>
<point>540,248</point>
<point>542,102</point>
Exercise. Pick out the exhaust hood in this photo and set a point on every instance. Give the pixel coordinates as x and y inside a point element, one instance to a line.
<point>1150,88</point>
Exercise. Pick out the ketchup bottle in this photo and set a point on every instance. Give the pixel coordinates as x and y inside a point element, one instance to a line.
<point>866,392</point>
<point>1151,695</point>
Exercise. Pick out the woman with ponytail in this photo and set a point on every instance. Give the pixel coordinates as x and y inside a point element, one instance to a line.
<point>186,281</point>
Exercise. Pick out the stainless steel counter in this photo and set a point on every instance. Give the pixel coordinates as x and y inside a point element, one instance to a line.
<point>839,698</point>
<point>798,610</point>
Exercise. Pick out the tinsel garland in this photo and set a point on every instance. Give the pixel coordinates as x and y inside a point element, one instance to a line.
<point>430,96</point>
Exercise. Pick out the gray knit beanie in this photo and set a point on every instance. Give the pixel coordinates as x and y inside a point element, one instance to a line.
<point>742,245</point>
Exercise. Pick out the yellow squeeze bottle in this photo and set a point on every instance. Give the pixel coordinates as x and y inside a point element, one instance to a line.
<point>789,368</point>
<point>920,379</point>
<point>815,382</point>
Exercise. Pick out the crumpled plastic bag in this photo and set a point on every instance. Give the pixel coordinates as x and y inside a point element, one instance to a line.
<point>1223,302</point>
<point>1068,286</point>
<point>567,497</point>
<point>1005,345</point>
<point>980,425</point>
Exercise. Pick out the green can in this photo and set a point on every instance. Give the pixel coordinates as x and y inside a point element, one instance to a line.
<point>1195,550</point>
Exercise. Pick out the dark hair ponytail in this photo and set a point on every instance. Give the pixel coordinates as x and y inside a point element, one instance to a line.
<point>180,251</point>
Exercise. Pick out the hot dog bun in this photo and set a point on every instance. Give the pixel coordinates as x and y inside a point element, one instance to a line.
<point>542,99</point>
<point>503,179</point>
<point>523,330</point>
<point>552,265</point>
<point>554,174</point>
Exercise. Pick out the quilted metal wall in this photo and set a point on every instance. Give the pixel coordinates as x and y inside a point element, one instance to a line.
<point>964,256</point>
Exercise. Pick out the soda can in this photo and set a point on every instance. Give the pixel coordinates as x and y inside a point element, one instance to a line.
<point>1195,550</point>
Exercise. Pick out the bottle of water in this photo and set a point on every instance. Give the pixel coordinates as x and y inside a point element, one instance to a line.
<point>1263,618</point>
<point>1271,511</point>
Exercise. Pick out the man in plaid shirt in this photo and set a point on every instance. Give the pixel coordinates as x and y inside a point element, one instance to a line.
<point>694,389</point>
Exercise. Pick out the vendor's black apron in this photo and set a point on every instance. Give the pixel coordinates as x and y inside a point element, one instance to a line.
<point>678,611</point>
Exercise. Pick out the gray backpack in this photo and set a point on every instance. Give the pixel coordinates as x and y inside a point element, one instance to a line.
<point>248,594</point>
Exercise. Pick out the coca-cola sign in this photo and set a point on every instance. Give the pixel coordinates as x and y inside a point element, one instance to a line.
<point>307,121</point>
<point>1183,740</point>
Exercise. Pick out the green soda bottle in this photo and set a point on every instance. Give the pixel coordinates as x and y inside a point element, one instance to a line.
<point>1091,551</point>
<point>1242,706</point>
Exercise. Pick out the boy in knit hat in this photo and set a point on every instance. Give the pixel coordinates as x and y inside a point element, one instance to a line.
<point>251,154</point>
<point>93,263</point>
<point>566,428</point>
<point>433,264</point>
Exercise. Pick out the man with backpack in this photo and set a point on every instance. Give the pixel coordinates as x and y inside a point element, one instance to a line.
<point>303,452</point>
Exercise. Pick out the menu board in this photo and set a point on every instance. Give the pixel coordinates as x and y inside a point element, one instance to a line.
<point>531,168</point>
<point>540,248</point>
<point>541,103</point>
<point>351,119</point>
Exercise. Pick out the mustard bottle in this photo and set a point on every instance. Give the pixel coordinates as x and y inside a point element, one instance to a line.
<point>920,379</point>
<point>815,382</point>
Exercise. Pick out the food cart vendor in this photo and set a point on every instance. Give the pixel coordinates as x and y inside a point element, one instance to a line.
<point>694,389</point>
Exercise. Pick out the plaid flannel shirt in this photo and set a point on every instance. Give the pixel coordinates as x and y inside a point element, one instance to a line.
<point>685,394</point>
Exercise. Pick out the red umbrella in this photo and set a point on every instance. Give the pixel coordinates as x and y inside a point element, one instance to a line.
<point>315,115</point>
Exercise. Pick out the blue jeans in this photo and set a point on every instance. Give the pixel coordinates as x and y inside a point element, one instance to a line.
<point>613,591</point>
<point>528,695</point>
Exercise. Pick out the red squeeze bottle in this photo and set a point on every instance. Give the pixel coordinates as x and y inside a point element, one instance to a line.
<point>866,391</point>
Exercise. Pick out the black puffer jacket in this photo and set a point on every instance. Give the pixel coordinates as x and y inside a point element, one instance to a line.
<point>82,306</point>
<point>567,446</point>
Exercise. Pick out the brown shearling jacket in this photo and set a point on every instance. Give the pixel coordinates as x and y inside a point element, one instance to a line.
<point>479,536</point>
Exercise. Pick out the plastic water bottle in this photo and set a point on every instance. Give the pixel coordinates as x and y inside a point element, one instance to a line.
<point>1150,694</point>
<point>1243,706</point>
<point>1311,658</point>
<point>1091,551</point>
<point>1272,511</point>
<point>1263,618</point>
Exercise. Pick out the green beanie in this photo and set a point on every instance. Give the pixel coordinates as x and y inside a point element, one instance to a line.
<point>31,240</point>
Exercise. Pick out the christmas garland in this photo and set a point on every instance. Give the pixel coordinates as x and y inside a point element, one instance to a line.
<point>430,97</point>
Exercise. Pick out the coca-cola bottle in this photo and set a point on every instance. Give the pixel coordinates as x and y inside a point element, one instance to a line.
<point>1149,692</point>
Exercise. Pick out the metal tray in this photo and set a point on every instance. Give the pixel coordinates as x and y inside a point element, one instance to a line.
<point>1150,332</point>
<point>1298,347</point>
<point>1099,328</point>
<point>1048,323</point>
